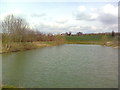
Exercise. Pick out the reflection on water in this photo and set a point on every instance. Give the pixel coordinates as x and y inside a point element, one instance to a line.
<point>69,65</point>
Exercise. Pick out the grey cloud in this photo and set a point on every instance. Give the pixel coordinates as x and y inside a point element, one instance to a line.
<point>51,29</point>
<point>66,28</point>
<point>38,15</point>
<point>62,21</point>
<point>76,28</point>
<point>102,17</point>
<point>83,16</point>
<point>107,18</point>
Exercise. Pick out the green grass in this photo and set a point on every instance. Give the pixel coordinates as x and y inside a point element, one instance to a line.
<point>83,39</point>
<point>106,40</point>
<point>88,38</point>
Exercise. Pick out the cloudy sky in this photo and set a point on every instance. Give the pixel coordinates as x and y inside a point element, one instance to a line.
<point>63,16</point>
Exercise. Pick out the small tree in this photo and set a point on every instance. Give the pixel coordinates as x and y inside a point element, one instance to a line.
<point>69,34</point>
<point>113,33</point>
<point>79,33</point>
<point>14,30</point>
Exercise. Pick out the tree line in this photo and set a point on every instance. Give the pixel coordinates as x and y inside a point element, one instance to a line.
<point>15,29</point>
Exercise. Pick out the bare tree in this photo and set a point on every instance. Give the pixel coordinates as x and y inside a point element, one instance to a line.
<point>14,30</point>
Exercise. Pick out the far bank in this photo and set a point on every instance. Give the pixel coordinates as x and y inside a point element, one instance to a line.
<point>93,39</point>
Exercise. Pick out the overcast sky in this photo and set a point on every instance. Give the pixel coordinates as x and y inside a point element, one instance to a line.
<point>63,16</point>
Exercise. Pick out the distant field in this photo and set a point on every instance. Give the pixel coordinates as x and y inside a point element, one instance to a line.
<point>93,38</point>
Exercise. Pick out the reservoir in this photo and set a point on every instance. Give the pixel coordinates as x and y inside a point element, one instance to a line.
<point>64,66</point>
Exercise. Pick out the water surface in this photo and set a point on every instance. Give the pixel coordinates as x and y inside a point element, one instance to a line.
<point>65,66</point>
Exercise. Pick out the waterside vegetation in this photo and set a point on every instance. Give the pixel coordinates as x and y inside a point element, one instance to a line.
<point>18,36</point>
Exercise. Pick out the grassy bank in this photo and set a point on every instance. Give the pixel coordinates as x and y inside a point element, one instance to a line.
<point>21,46</point>
<point>89,38</point>
<point>27,46</point>
<point>106,40</point>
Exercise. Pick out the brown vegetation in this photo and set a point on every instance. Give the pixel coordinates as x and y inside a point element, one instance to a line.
<point>17,35</point>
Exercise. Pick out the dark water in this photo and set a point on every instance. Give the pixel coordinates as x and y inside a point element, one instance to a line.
<point>65,66</point>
